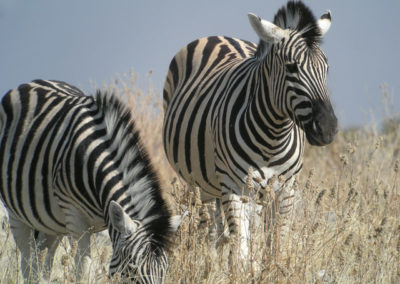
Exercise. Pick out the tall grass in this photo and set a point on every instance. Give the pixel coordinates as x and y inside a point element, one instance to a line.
<point>346,228</point>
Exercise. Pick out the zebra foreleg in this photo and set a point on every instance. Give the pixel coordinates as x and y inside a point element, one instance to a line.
<point>286,199</point>
<point>237,215</point>
<point>81,255</point>
<point>36,248</point>
<point>50,243</point>
<point>222,233</point>
<point>76,225</point>
<point>23,236</point>
<point>212,219</point>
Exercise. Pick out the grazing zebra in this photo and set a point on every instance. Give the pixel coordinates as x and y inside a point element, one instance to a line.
<point>231,105</point>
<point>74,164</point>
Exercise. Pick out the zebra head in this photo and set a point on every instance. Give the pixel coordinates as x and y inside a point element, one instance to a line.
<point>298,69</point>
<point>137,256</point>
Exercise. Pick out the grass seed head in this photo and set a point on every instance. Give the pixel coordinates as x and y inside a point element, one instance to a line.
<point>350,149</point>
<point>378,142</point>
<point>64,260</point>
<point>74,248</point>
<point>104,255</point>
<point>244,199</point>
<point>319,197</point>
<point>42,256</point>
<point>249,180</point>
<point>343,158</point>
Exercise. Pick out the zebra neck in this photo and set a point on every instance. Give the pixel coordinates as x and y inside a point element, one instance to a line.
<point>136,187</point>
<point>128,176</point>
<point>139,194</point>
<point>262,117</point>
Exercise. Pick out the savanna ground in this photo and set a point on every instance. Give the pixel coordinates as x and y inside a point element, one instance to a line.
<point>346,228</point>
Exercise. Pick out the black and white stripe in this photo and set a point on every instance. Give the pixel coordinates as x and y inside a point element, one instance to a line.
<point>231,105</point>
<point>74,164</point>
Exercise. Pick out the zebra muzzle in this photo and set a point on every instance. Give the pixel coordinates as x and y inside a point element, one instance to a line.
<point>323,127</point>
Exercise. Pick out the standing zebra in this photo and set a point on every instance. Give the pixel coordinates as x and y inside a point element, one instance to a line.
<point>231,105</point>
<point>74,164</point>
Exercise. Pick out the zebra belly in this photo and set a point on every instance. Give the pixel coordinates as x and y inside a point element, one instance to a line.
<point>48,214</point>
<point>209,186</point>
<point>49,222</point>
<point>27,192</point>
<point>194,162</point>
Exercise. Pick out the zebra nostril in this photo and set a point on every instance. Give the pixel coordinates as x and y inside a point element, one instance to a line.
<point>317,126</point>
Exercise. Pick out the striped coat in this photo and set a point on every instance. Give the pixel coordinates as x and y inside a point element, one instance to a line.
<point>74,164</point>
<point>231,105</point>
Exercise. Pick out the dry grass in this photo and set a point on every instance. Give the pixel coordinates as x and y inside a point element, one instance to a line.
<point>346,228</point>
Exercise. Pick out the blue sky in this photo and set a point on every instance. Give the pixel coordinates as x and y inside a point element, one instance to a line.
<point>91,41</point>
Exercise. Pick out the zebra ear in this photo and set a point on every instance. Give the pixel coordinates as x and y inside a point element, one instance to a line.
<point>324,22</point>
<point>120,220</point>
<point>267,31</point>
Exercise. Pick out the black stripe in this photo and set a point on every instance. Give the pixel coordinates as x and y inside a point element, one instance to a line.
<point>236,45</point>
<point>190,51</point>
<point>208,49</point>
<point>17,177</point>
<point>7,107</point>
<point>175,73</point>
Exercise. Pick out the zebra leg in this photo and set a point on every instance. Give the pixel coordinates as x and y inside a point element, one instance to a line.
<point>238,216</point>
<point>286,198</point>
<point>76,225</point>
<point>49,242</point>
<point>23,238</point>
<point>212,219</point>
<point>82,255</point>
<point>207,219</point>
<point>221,234</point>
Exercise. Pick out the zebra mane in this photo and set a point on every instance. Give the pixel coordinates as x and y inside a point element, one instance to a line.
<point>144,201</point>
<point>297,16</point>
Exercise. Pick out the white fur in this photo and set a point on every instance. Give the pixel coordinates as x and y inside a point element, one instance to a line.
<point>266,30</point>
<point>324,23</point>
<point>120,220</point>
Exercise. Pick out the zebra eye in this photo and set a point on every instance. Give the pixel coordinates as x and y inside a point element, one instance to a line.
<point>291,67</point>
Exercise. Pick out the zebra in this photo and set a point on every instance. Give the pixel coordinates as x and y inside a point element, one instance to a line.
<point>74,164</point>
<point>231,105</point>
